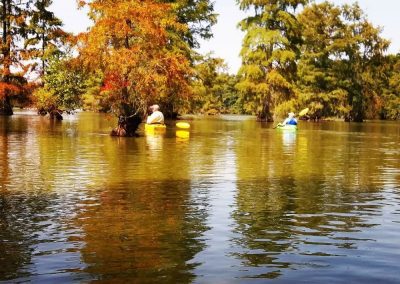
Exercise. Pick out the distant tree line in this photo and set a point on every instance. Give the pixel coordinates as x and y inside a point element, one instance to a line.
<point>295,54</point>
<point>328,58</point>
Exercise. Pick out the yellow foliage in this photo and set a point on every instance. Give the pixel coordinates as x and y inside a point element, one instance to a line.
<point>44,98</point>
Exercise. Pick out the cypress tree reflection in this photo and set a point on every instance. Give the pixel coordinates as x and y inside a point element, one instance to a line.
<point>299,208</point>
<point>144,229</point>
<point>23,204</point>
<point>233,200</point>
<point>143,222</point>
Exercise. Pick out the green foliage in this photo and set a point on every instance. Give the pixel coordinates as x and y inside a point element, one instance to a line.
<point>390,86</point>
<point>92,98</point>
<point>45,35</point>
<point>328,58</point>
<point>29,23</point>
<point>64,84</point>
<point>214,89</point>
<point>45,99</point>
<point>284,108</point>
<point>198,15</point>
<point>341,55</point>
<point>269,53</point>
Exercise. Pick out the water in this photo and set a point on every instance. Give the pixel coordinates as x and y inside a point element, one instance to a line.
<point>231,201</point>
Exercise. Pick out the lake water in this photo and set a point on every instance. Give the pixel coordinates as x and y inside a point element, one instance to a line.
<point>230,201</point>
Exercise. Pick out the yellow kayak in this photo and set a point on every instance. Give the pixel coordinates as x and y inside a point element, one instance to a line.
<point>154,127</point>
<point>183,125</point>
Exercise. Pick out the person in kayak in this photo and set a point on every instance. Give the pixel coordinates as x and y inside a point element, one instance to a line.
<point>156,116</point>
<point>290,120</point>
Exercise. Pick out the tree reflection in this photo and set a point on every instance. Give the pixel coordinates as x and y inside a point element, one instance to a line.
<point>4,170</point>
<point>96,207</point>
<point>143,222</point>
<point>23,204</point>
<point>293,207</point>
<point>21,217</point>
<point>142,230</point>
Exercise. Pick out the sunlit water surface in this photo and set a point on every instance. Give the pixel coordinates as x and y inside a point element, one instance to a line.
<point>230,201</point>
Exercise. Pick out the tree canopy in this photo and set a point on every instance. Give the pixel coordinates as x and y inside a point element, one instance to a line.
<point>269,53</point>
<point>341,57</point>
<point>295,54</point>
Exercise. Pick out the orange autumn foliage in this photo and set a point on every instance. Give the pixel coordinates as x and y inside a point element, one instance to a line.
<point>7,89</point>
<point>135,45</point>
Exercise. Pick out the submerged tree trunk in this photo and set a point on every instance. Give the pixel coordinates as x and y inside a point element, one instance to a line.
<point>358,111</point>
<point>265,114</point>
<point>127,126</point>
<point>169,111</point>
<point>56,114</point>
<point>5,106</point>
<point>265,117</point>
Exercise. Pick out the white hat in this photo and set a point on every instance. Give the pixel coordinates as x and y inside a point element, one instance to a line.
<point>155,107</point>
<point>291,114</point>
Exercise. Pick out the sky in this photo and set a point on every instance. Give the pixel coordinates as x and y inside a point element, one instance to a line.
<point>227,39</point>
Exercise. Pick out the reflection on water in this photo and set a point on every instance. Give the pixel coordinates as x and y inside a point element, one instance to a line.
<point>231,202</point>
<point>142,230</point>
<point>182,135</point>
<point>154,143</point>
<point>288,139</point>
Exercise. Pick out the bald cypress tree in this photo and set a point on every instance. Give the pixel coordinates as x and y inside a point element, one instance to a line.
<point>341,63</point>
<point>13,29</point>
<point>269,53</point>
<point>46,35</point>
<point>198,15</point>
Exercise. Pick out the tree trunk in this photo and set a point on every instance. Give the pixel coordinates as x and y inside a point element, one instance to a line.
<point>265,114</point>
<point>357,108</point>
<point>43,51</point>
<point>358,117</point>
<point>5,103</point>
<point>5,106</point>
<point>55,114</point>
<point>127,126</point>
<point>358,112</point>
<point>169,111</point>
<point>267,117</point>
